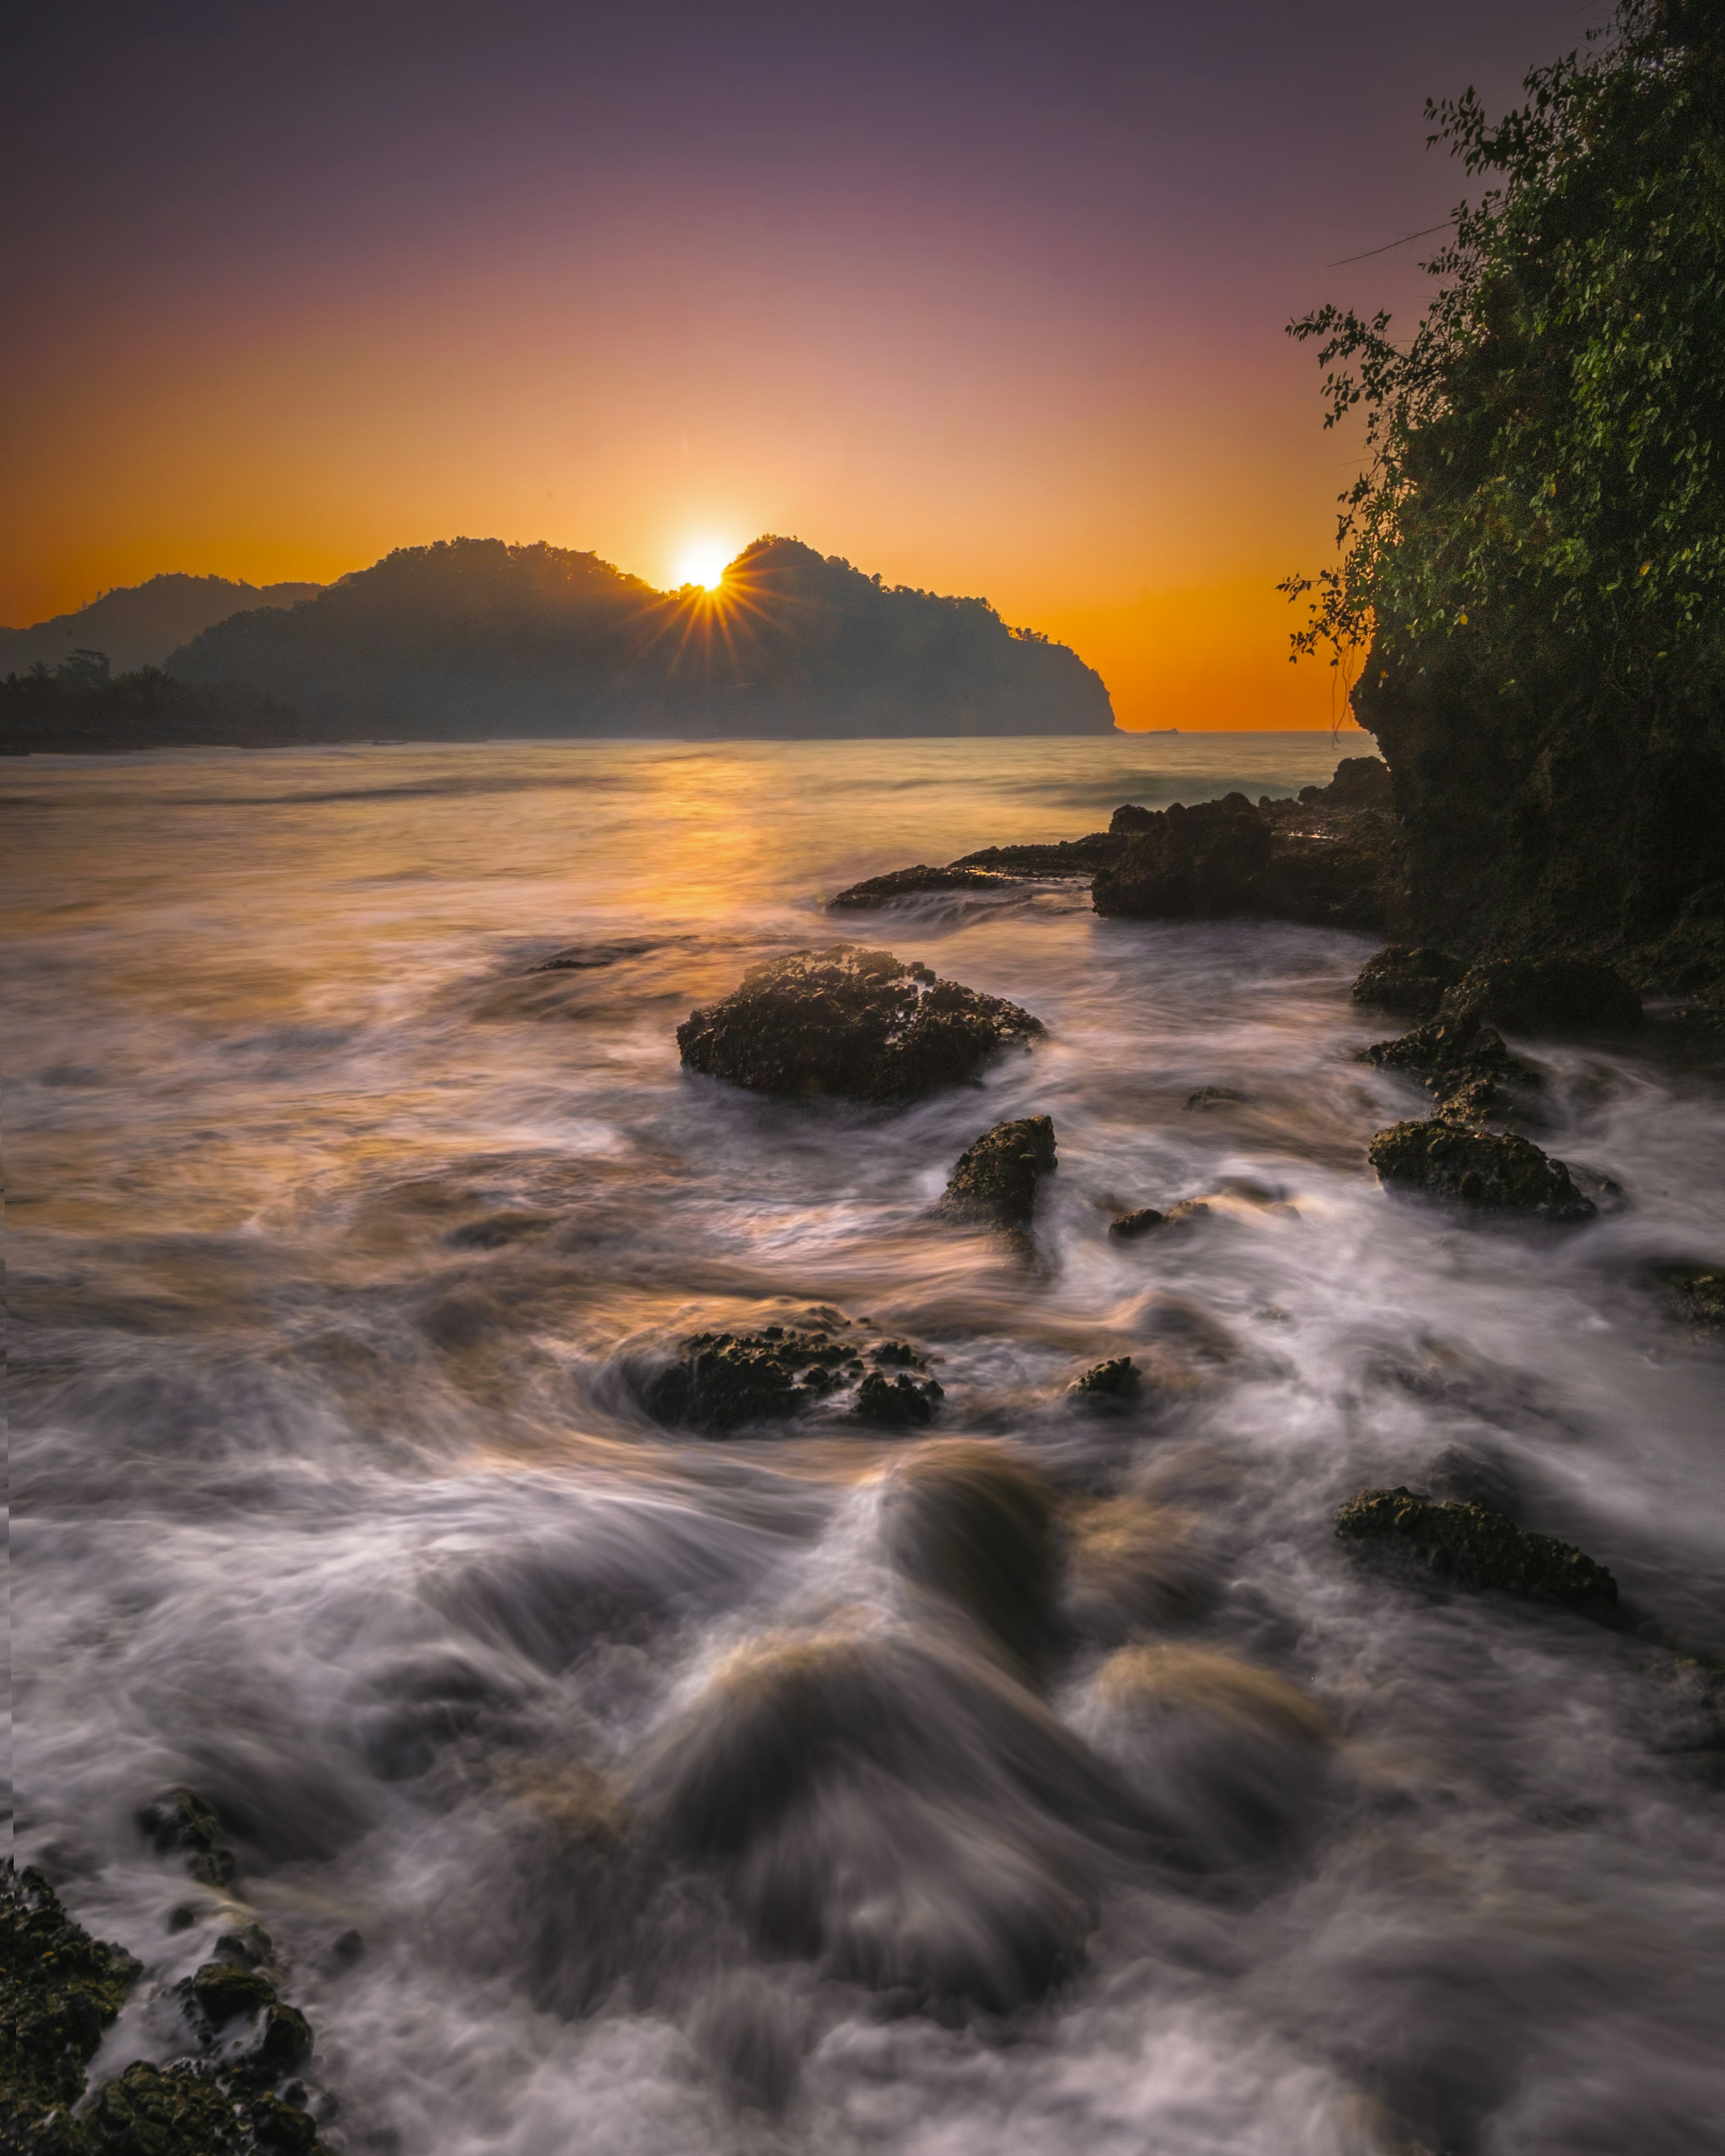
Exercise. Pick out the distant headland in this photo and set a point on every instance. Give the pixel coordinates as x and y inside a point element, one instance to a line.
<point>474,639</point>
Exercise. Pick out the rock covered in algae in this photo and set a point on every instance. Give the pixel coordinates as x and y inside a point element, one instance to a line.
<point>1410,978</point>
<point>1474,1545</point>
<point>1493,1170</point>
<point>997,1177</point>
<point>722,1381</point>
<point>59,1988</point>
<point>859,1024</point>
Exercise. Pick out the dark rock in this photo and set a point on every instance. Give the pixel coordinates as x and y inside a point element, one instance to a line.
<point>347,1948</point>
<point>1495,1171</point>
<point>911,883</point>
<point>180,1823</point>
<point>722,1380</point>
<point>1462,1061</point>
<point>975,1523</point>
<point>224,1989</point>
<point>996,1179</point>
<point>1062,857</point>
<point>1474,1545</point>
<point>899,1403</point>
<point>1360,782</point>
<point>1111,1383</point>
<point>1183,1213</point>
<point>1188,864</point>
<point>59,1988</point>
<point>190,2109</point>
<point>1408,977</point>
<point>1545,995</point>
<point>855,1023</point>
<point>247,1949</point>
<point>1544,810</point>
<point>1129,818</point>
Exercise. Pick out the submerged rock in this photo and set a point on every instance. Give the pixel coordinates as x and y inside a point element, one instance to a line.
<point>975,1523</point>
<point>722,1381</point>
<point>1495,1171</point>
<point>911,883</point>
<point>1474,1545</point>
<point>1227,1756</point>
<point>1410,978</point>
<point>1545,995</point>
<point>1113,1383</point>
<point>859,1024</point>
<point>997,1177</point>
<point>1127,1227</point>
<point>179,1823</point>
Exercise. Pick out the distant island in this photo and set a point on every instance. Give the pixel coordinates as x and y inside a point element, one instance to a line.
<point>474,639</point>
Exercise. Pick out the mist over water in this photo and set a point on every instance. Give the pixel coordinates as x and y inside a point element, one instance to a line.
<point>694,1796</point>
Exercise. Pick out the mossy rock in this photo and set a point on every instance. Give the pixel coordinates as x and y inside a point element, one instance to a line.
<point>187,2109</point>
<point>1493,1171</point>
<point>721,1381</point>
<point>1474,1545</point>
<point>997,1177</point>
<point>1408,977</point>
<point>1450,1054</point>
<point>59,1988</point>
<point>1545,995</point>
<point>856,1023</point>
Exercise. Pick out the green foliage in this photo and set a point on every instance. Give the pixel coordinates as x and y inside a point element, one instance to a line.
<point>1544,473</point>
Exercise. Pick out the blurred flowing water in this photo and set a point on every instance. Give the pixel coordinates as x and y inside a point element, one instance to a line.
<point>674,1813</point>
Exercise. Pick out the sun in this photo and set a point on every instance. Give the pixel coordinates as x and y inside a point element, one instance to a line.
<point>703,563</point>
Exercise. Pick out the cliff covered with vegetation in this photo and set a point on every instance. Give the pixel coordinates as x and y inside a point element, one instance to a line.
<point>1532,582</point>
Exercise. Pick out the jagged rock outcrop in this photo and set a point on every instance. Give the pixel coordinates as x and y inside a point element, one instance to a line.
<point>1409,978</point>
<point>1331,859</point>
<point>859,1024</point>
<point>1463,1061</point>
<point>997,1179</point>
<point>1494,1171</point>
<point>1474,1545</point>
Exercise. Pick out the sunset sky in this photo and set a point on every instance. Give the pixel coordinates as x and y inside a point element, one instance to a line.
<point>987,298</point>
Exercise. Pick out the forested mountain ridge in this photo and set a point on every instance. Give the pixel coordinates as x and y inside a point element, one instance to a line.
<point>138,625</point>
<point>473,637</point>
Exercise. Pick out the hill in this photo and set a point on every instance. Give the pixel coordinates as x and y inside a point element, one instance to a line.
<point>139,624</point>
<point>473,638</point>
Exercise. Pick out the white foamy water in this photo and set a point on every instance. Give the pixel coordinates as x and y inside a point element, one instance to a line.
<point>675,1809</point>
